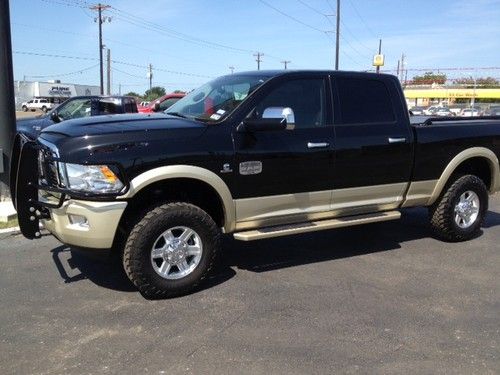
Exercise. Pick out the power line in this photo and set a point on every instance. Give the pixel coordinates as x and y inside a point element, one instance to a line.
<point>362,19</point>
<point>291,17</point>
<point>65,74</point>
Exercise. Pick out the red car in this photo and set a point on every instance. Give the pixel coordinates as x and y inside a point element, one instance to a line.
<point>161,104</point>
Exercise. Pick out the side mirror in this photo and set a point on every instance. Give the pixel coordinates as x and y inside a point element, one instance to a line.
<point>280,112</point>
<point>156,107</point>
<point>54,116</point>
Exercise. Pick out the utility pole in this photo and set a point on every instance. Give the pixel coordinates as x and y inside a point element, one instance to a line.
<point>100,20</point>
<point>231,68</point>
<point>108,71</point>
<point>337,37</point>
<point>258,55</point>
<point>402,66</point>
<point>7,100</point>
<point>150,76</point>
<point>285,63</point>
<point>120,89</point>
<point>379,52</point>
<point>397,70</point>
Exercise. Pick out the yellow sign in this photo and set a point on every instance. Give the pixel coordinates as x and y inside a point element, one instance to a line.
<point>378,60</point>
<point>452,93</point>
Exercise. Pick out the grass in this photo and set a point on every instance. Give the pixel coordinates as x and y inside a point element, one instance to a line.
<point>9,224</point>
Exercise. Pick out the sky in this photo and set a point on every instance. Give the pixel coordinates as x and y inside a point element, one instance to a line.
<point>189,42</point>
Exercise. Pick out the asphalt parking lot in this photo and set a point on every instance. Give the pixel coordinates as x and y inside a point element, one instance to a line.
<point>382,298</point>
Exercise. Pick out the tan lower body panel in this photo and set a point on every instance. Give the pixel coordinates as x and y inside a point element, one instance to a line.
<point>102,218</point>
<point>419,193</point>
<point>313,226</point>
<point>301,207</point>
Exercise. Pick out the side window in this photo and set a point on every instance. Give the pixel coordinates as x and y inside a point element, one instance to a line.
<point>75,109</point>
<point>305,97</point>
<point>364,101</point>
<point>30,102</point>
<point>107,108</point>
<point>167,103</point>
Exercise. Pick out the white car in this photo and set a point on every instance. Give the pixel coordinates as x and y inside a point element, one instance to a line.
<point>34,104</point>
<point>430,111</point>
<point>470,112</point>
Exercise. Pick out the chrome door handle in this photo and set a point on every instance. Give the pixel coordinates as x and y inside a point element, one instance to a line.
<point>396,140</point>
<point>317,145</point>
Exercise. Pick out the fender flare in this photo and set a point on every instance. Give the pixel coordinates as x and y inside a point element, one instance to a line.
<point>187,171</point>
<point>465,155</point>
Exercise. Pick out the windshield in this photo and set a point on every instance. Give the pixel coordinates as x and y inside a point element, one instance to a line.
<point>216,99</point>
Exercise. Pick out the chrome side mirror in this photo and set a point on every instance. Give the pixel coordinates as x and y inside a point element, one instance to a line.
<point>281,113</point>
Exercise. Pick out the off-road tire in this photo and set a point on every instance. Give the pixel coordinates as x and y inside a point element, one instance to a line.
<point>442,212</point>
<point>137,250</point>
<point>24,108</point>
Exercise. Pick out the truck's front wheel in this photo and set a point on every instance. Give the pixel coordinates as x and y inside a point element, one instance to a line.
<point>171,250</point>
<point>459,213</point>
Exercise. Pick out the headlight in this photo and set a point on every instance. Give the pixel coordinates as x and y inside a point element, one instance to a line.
<point>89,178</point>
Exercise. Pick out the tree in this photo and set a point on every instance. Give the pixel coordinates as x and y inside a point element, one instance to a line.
<point>482,82</point>
<point>429,78</point>
<point>134,94</point>
<point>154,93</point>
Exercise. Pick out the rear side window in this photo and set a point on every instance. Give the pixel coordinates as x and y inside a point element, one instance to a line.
<point>364,101</point>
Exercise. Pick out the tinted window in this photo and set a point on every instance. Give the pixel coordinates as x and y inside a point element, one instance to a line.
<point>364,101</point>
<point>167,103</point>
<point>74,109</point>
<point>306,98</point>
<point>108,107</point>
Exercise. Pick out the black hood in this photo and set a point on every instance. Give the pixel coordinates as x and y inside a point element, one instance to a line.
<point>120,124</point>
<point>33,126</point>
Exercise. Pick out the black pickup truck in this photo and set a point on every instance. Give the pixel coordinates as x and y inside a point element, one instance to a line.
<point>256,155</point>
<point>77,107</point>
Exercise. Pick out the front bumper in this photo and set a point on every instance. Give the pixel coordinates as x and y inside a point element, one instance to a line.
<point>102,219</point>
<point>89,221</point>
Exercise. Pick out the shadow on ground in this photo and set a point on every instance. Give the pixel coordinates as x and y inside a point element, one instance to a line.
<point>265,255</point>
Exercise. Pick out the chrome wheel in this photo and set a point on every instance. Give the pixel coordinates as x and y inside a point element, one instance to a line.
<point>467,209</point>
<point>176,253</point>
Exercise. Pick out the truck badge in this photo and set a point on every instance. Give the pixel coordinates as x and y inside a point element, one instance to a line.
<point>250,167</point>
<point>226,168</point>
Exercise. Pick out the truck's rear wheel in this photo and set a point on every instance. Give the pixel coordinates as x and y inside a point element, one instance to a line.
<point>44,109</point>
<point>171,250</point>
<point>460,212</point>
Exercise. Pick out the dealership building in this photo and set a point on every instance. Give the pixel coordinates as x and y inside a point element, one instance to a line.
<point>54,91</point>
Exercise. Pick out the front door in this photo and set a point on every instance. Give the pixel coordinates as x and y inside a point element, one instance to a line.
<point>286,175</point>
<point>373,145</point>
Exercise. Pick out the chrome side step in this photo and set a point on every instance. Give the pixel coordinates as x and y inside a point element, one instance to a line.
<point>312,226</point>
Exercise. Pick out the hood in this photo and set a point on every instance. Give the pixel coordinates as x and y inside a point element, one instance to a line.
<point>120,124</point>
<point>33,125</point>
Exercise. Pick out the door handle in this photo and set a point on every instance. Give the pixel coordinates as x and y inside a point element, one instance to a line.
<point>396,140</point>
<point>317,144</point>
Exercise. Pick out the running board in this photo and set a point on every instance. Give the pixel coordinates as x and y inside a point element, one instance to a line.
<point>312,226</point>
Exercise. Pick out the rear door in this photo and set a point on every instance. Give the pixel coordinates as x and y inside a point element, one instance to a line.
<point>373,144</point>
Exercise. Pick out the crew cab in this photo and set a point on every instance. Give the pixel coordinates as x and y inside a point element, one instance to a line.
<point>254,155</point>
<point>32,105</point>
<point>77,107</point>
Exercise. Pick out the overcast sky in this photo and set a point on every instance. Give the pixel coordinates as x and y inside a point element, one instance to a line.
<point>190,41</point>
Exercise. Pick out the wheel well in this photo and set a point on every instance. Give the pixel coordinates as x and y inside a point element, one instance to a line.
<point>177,189</point>
<point>477,166</point>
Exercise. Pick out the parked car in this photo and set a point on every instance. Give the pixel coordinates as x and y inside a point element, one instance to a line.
<point>162,104</point>
<point>254,155</point>
<point>470,112</point>
<point>77,107</point>
<point>493,111</point>
<point>429,111</point>
<point>417,111</point>
<point>443,112</point>
<point>32,105</point>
